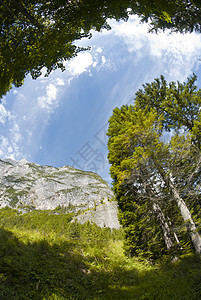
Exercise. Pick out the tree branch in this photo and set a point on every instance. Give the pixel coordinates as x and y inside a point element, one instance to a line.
<point>24,11</point>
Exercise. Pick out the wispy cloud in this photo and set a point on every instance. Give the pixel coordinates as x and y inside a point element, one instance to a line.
<point>4,114</point>
<point>136,36</point>
<point>49,101</point>
<point>11,139</point>
<point>180,52</point>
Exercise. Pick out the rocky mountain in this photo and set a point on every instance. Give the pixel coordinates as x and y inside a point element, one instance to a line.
<point>27,186</point>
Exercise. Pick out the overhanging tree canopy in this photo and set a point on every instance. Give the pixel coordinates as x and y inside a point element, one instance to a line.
<point>38,33</point>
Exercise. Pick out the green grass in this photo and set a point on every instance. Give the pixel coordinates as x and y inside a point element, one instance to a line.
<point>45,256</point>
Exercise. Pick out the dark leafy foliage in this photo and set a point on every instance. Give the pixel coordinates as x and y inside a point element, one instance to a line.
<point>42,34</point>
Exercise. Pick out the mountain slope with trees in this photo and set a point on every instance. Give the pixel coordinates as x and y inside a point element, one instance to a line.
<point>28,186</point>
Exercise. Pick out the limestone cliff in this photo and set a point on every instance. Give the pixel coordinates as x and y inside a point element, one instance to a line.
<point>27,186</point>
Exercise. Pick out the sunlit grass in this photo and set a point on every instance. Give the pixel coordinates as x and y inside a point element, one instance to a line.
<point>85,262</point>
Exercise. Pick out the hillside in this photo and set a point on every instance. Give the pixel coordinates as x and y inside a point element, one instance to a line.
<point>27,186</point>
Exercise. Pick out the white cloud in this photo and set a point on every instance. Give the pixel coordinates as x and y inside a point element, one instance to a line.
<point>180,52</point>
<point>4,141</point>
<point>4,114</point>
<point>59,81</point>
<point>15,133</point>
<point>51,92</point>
<point>99,50</point>
<point>10,141</point>
<point>10,138</point>
<point>136,36</point>
<point>80,63</point>
<point>49,102</point>
<point>103,59</point>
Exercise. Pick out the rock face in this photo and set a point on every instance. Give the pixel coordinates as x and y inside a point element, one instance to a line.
<point>27,186</point>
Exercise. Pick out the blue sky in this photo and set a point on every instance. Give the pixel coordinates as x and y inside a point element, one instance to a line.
<point>61,120</point>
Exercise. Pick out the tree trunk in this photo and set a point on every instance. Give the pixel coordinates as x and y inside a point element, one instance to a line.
<point>191,227</point>
<point>186,215</point>
<point>24,11</point>
<point>164,225</point>
<point>196,169</point>
<point>167,235</point>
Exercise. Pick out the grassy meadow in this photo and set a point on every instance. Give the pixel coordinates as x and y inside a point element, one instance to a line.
<point>46,256</point>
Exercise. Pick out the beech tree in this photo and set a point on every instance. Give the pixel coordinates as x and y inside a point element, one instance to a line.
<point>154,146</point>
<point>40,34</point>
<point>28,44</point>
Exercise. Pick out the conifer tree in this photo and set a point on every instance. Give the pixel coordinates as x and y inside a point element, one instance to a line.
<point>162,170</point>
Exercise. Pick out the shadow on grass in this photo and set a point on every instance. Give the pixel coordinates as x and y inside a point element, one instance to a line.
<point>39,270</point>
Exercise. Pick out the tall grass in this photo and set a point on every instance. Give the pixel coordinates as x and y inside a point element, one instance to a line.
<point>46,256</point>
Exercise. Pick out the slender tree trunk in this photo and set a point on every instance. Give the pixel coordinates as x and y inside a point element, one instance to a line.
<point>174,233</point>
<point>186,215</point>
<point>167,235</point>
<point>177,240</point>
<point>196,169</point>
<point>191,227</point>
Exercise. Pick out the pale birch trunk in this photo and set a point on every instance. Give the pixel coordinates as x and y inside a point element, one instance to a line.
<point>167,235</point>
<point>164,225</point>
<point>191,227</point>
<point>185,213</point>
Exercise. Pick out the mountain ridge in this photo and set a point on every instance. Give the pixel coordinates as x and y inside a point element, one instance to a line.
<point>27,186</point>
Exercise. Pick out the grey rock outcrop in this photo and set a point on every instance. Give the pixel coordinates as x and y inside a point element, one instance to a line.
<point>26,186</point>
